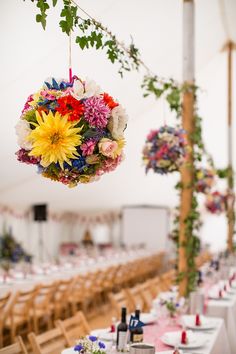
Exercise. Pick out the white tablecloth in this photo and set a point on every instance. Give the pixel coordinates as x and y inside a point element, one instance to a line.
<point>225,309</point>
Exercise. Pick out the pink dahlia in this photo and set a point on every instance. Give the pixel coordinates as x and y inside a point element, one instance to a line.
<point>88,147</point>
<point>96,112</point>
<point>49,94</point>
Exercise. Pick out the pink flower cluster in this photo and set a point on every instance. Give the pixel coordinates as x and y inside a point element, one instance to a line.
<point>27,106</point>
<point>110,165</point>
<point>23,156</point>
<point>96,112</point>
<point>88,147</point>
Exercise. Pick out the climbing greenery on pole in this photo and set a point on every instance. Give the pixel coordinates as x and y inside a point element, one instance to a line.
<point>173,94</point>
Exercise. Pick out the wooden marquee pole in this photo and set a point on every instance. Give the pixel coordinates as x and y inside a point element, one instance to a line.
<point>188,122</point>
<point>230,207</point>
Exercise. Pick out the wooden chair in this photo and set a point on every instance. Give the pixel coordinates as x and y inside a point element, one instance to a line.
<point>92,292</point>
<point>155,286</point>
<point>60,304</point>
<point>136,299</point>
<point>4,302</point>
<point>77,296</point>
<point>42,306</point>
<point>118,301</point>
<point>73,328</point>
<point>16,348</point>
<point>147,294</point>
<point>108,281</point>
<point>167,279</point>
<point>19,313</point>
<point>50,342</point>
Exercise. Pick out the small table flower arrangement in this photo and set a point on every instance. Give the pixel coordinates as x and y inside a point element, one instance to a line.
<point>172,306</point>
<point>165,150</point>
<point>205,180</point>
<point>90,345</point>
<point>72,131</point>
<point>11,252</point>
<point>215,203</point>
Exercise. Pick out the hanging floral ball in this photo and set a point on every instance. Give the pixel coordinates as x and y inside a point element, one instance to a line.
<point>215,202</point>
<point>72,131</point>
<point>205,180</point>
<point>165,150</point>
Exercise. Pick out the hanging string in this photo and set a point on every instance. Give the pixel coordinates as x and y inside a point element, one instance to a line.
<point>70,60</point>
<point>224,19</point>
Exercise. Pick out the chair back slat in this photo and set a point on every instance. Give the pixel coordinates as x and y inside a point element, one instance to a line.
<point>16,348</point>
<point>118,301</point>
<point>4,300</point>
<point>74,328</point>
<point>50,342</point>
<point>135,298</point>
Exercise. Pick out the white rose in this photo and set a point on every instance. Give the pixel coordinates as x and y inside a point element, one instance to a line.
<point>91,88</point>
<point>78,90</point>
<point>117,123</point>
<point>22,131</point>
<point>88,89</point>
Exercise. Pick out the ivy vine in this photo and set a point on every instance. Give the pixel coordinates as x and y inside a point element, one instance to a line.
<point>90,33</point>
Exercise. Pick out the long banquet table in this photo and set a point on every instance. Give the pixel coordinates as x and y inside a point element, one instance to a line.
<point>216,340</point>
<point>48,272</point>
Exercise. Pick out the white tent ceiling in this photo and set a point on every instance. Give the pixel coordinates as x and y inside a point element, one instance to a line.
<point>29,55</point>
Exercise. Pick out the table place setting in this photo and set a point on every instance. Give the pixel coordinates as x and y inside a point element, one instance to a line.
<point>218,294</point>
<point>184,339</point>
<point>198,323</point>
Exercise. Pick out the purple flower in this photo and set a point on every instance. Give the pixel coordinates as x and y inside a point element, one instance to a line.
<point>101,345</point>
<point>78,348</point>
<point>93,338</point>
<point>96,112</point>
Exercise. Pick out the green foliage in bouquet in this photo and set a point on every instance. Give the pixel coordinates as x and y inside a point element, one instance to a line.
<point>171,308</point>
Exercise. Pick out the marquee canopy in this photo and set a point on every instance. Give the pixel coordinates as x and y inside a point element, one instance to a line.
<point>29,55</point>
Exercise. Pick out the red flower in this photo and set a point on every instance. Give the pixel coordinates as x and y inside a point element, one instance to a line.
<point>70,105</point>
<point>161,152</point>
<point>109,101</point>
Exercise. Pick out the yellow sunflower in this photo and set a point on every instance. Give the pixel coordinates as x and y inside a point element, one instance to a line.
<point>54,139</point>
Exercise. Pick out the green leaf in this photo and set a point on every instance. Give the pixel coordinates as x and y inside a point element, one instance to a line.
<point>82,41</point>
<point>112,55</point>
<point>43,7</point>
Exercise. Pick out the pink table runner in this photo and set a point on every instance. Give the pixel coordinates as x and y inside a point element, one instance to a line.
<point>153,333</point>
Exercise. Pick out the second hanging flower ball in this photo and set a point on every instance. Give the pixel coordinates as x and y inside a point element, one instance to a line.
<point>165,150</point>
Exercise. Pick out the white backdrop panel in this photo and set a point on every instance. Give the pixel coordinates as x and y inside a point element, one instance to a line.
<point>147,225</point>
